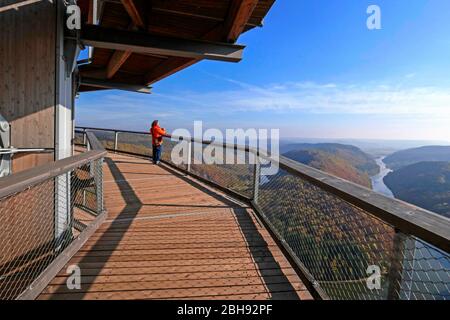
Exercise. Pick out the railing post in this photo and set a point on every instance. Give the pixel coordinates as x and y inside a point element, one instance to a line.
<point>87,144</point>
<point>116,135</point>
<point>256,178</point>
<point>395,276</point>
<point>189,155</point>
<point>98,178</point>
<point>84,137</point>
<point>84,197</point>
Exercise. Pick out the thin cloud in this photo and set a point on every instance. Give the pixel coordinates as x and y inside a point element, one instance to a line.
<point>304,97</point>
<point>310,97</point>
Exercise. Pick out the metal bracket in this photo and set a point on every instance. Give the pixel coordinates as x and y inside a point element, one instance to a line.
<point>7,151</point>
<point>72,46</point>
<point>12,150</point>
<point>5,140</point>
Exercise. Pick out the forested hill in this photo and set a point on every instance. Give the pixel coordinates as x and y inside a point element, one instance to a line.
<point>410,156</point>
<point>345,161</point>
<point>425,184</point>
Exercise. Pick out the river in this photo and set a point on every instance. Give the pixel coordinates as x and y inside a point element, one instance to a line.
<point>414,277</point>
<point>378,184</point>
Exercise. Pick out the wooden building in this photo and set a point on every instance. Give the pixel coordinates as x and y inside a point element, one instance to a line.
<point>304,234</point>
<point>132,44</point>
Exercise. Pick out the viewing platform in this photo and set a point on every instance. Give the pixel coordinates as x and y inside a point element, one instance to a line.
<point>107,223</point>
<point>168,236</point>
<point>84,214</point>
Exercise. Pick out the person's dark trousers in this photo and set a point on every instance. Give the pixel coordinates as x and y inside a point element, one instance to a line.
<point>157,154</point>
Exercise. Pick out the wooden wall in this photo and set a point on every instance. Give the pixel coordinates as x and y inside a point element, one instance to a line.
<point>36,98</point>
<point>27,78</point>
<point>29,96</point>
<point>23,161</point>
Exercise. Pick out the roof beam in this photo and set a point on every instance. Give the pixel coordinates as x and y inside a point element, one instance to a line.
<point>16,6</point>
<point>117,60</point>
<point>98,83</point>
<point>101,37</point>
<point>120,57</point>
<point>239,12</point>
<point>134,13</point>
<point>167,68</point>
<point>91,19</point>
<point>238,15</point>
<point>163,9</point>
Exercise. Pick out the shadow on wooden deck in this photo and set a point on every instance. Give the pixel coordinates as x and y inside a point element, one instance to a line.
<point>208,230</point>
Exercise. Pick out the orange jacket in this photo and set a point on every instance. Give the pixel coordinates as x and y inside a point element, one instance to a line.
<point>157,135</point>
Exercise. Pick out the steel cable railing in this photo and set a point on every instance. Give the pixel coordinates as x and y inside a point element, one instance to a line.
<point>340,237</point>
<point>337,242</point>
<point>43,211</point>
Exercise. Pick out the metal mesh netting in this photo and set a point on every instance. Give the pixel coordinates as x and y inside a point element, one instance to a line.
<point>135,143</point>
<point>79,138</point>
<point>38,223</point>
<point>105,137</point>
<point>236,177</point>
<point>166,155</point>
<point>337,243</point>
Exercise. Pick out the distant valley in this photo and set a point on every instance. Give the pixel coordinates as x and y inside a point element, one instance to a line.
<point>406,157</point>
<point>420,176</point>
<point>344,161</point>
<point>425,184</point>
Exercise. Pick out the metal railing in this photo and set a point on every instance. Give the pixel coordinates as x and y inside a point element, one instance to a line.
<point>46,215</point>
<point>344,240</point>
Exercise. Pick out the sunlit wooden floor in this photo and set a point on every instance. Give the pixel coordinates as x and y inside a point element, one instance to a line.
<point>168,236</point>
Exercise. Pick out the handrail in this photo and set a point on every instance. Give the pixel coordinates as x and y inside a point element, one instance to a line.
<point>408,218</point>
<point>45,198</point>
<point>112,130</point>
<point>261,153</point>
<point>94,144</point>
<point>22,180</point>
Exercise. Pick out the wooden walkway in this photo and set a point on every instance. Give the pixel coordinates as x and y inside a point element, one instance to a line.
<point>168,236</point>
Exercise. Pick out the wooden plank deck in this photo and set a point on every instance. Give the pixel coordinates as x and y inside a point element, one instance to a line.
<point>168,236</point>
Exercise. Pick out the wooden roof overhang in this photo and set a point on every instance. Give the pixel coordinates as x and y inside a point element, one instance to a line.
<point>139,42</point>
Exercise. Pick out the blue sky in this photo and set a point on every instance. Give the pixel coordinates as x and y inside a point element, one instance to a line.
<point>315,71</point>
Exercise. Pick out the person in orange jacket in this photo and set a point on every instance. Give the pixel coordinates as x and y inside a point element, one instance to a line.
<point>157,140</point>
